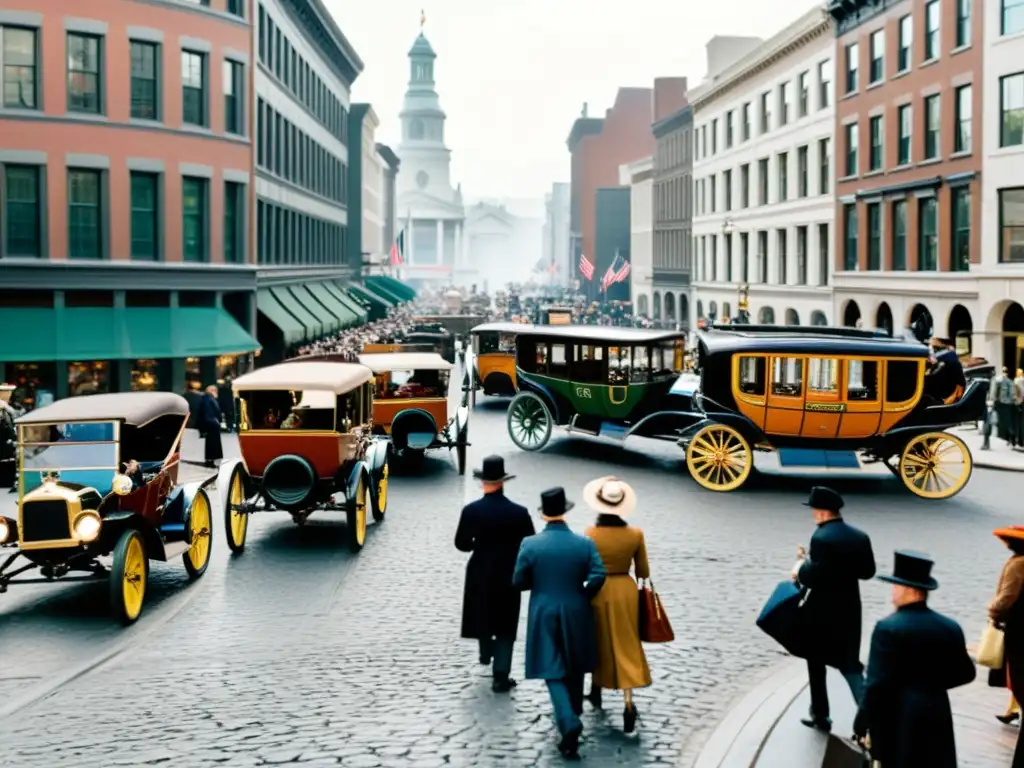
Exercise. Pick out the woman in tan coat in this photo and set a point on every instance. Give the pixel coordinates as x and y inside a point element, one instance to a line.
<point>1006,611</point>
<point>621,663</point>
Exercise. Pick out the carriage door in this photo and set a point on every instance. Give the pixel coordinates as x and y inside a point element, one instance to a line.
<point>785,414</point>
<point>863,399</point>
<point>588,380</point>
<point>823,406</point>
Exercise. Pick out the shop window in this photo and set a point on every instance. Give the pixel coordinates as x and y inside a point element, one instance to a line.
<point>823,375</point>
<point>862,380</point>
<point>34,384</point>
<point>787,376</point>
<point>193,377</point>
<point>901,380</point>
<point>144,376</point>
<point>88,378</point>
<point>752,375</point>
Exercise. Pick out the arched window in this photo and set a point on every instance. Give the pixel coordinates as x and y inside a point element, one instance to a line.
<point>766,316</point>
<point>818,318</point>
<point>657,306</point>
<point>670,307</point>
<point>684,310</point>
<point>883,318</point>
<point>792,317</point>
<point>726,311</point>
<point>641,305</point>
<point>851,315</point>
<point>416,129</point>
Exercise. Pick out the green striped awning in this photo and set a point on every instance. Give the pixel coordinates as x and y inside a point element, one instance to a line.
<point>346,317</point>
<point>359,307</point>
<point>395,287</point>
<point>328,322</point>
<point>314,329</point>
<point>291,329</point>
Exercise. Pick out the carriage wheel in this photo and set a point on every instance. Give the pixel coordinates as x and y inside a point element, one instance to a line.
<point>719,458</point>
<point>236,524</point>
<point>381,508</point>
<point>529,421</point>
<point>355,515</point>
<point>197,557</point>
<point>936,465</point>
<point>129,575</point>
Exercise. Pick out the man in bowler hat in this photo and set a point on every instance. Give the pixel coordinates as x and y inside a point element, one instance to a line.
<point>563,572</point>
<point>917,655</point>
<point>492,528</point>
<point>840,555</point>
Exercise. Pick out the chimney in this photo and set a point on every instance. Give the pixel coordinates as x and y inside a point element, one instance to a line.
<point>669,96</point>
<point>584,113</point>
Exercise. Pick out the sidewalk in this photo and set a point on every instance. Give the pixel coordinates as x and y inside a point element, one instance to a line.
<point>764,729</point>
<point>999,456</point>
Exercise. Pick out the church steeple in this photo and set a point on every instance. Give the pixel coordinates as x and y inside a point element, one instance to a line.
<point>421,116</point>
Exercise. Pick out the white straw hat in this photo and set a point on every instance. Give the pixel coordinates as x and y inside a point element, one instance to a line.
<point>609,495</point>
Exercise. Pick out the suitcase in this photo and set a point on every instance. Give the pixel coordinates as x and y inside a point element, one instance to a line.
<point>844,753</point>
<point>782,620</point>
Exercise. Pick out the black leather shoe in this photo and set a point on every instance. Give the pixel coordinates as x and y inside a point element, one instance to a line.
<point>569,746</point>
<point>503,686</point>
<point>823,724</point>
<point>629,717</point>
<point>1008,719</point>
<point>594,697</point>
<point>485,661</point>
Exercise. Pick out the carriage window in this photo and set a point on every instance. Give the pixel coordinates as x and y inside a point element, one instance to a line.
<point>506,343</point>
<point>589,366</point>
<point>862,380</point>
<point>533,357</point>
<point>665,361</point>
<point>823,375</point>
<point>640,373</point>
<point>487,343</point>
<point>752,375</point>
<point>787,376</point>
<point>901,380</point>
<point>559,365</point>
<point>350,410</point>
<point>618,366</point>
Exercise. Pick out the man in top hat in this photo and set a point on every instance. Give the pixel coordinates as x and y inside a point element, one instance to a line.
<point>917,655</point>
<point>840,555</point>
<point>492,528</point>
<point>563,572</point>
<point>946,373</point>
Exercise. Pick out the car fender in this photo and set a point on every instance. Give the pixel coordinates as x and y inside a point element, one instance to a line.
<point>359,468</point>
<point>224,480</point>
<point>116,523</point>
<point>377,454</point>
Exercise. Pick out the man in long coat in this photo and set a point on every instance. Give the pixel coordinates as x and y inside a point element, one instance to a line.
<point>563,572</point>
<point>209,426</point>
<point>917,655</point>
<point>840,555</point>
<point>492,528</point>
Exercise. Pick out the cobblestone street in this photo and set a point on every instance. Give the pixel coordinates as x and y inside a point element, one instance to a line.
<point>298,652</point>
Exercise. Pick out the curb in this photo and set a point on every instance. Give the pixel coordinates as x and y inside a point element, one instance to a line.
<point>738,739</point>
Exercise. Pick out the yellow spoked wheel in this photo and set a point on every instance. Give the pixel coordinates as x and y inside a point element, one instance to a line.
<point>128,577</point>
<point>200,535</point>
<point>356,516</point>
<point>381,508</point>
<point>936,465</point>
<point>719,458</point>
<point>236,524</point>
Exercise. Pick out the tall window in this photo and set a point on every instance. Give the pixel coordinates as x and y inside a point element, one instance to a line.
<point>824,166</point>
<point>195,236</point>
<point>852,56</point>
<point>20,61</point>
<point>964,109</point>
<point>233,101</point>
<point>1011,108</point>
<point>762,254</point>
<point>766,112</point>
<point>727,247</point>
<point>932,44</point>
<point>762,181</point>
<point>784,103</point>
<point>713,192</point>
<point>236,7</point>
<point>728,129</point>
<point>824,260</point>
<point>1012,20</point>
<point>745,128</point>
<point>745,185</point>
<point>782,241</point>
<point>904,118</point>
<point>906,44</point>
<point>234,205</point>
<point>963,22</point>
<point>874,236</point>
<point>83,73</point>
<point>193,88</point>
<point>899,234</point>
<point>85,212</point>
<point>714,136</point>
<point>145,104</point>
<point>22,209</point>
<point>727,189</point>
<point>802,172</point>
<point>824,85</point>
<point>145,218</point>
<point>804,95</point>
<point>850,236</point>
<point>875,153</point>
<point>744,257</point>
<point>1011,225</point>
<point>960,258</point>
<point>783,161</point>
<point>801,255</point>
<point>932,120</point>
<point>877,70</point>
<point>852,140</point>
<point>928,235</point>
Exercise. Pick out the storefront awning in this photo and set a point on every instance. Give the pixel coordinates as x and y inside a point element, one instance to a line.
<point>346,317</point>
<point>385,292</point>
<point>393,286</point>
<point>328,322</point>
<point>358,309</point>
<point>291,329</point>
<point>379,306</point>
<point>314,330</point>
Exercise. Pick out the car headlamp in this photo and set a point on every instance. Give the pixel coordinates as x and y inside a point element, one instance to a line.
<point>121,485</point>
<point>5,530</point>
<point>87,526</point>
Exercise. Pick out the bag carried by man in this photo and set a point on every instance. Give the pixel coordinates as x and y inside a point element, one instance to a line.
<point>781,617</point>
<point>844,753</point>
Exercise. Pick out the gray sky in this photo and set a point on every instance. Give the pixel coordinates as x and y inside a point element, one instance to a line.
<point>513,75</point>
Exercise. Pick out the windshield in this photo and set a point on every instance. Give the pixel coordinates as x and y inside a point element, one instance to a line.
<point>83,453</point>
<point>423,383</point>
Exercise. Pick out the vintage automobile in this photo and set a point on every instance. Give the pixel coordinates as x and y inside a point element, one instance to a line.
<point>493,365</point>
<point>307,446</point>
<point>594,380</point>
<point>98,476</point>
<point>8,438</point>
<point>411,404</point>
<point>440,339</point>
<point>825,390</point>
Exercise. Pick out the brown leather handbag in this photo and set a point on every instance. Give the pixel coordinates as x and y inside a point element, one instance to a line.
<point>654,624</point>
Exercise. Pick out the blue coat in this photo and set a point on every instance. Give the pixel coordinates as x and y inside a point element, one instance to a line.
<point>563,572</point>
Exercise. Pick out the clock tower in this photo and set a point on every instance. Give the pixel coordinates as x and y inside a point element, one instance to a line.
<point>429,208</point>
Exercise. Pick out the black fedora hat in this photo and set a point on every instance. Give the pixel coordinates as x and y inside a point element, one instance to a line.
<point>823,497</point>
<point>493,470</point>
<point>912,569</point>
<point>553,503</point>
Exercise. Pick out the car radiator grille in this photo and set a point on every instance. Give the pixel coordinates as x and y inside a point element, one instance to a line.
<point>45,520</point>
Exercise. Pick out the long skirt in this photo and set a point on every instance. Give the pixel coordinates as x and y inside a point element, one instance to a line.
<point>621,661</point>
<point>213,448</point>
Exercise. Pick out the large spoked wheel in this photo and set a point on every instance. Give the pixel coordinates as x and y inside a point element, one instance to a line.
<point>197,557</point>
<point>529,421</point>
<point>355,514</point>
<point>236,524</point>
<point>936,465</point>
<point>381,507</point>
<point>719,458</point>
<point>460,449</point>
<point>128,577</point>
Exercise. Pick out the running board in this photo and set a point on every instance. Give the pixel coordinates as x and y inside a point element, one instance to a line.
<point>572,428</point>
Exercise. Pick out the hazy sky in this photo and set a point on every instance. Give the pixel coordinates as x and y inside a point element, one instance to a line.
<point>513,74</point>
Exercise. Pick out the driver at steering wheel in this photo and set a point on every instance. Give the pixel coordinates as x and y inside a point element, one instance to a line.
<point>134,471</point>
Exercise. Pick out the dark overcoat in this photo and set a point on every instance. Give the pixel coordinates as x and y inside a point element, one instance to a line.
<point>492,528</point>
<point>209,421</point>
<point>563,572</point>
<point>917,655</point>
<point>839,556</point>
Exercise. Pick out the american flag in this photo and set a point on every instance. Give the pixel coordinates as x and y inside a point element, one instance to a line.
<point>586,267</point>
<point>398,250</point>
<point>617,272</point>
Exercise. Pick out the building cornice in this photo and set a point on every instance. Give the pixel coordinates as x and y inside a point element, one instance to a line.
<point>673,122</point>
<point>813,25</point>
<point>389,156</point>
<point>850,14</point>
<point>325,34</point>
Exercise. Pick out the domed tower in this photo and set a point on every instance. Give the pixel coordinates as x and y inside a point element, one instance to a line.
<point>423,121</point>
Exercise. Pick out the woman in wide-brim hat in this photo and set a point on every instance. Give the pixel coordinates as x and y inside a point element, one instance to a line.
<point>621,662</point>
<point>1007,611</point>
